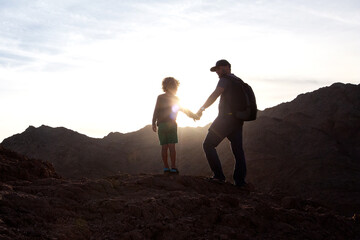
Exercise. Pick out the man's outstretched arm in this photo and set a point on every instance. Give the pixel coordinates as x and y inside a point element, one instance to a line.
<point>212,98</point>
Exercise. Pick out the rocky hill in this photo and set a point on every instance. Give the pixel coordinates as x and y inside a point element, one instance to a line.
<point>35,203</point>
<point>309,147</point>
<point>14,167</point>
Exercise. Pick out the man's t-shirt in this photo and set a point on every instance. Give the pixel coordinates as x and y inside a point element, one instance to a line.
<point>227,96</point>
<point>166,109</point>
<point>225,124</point>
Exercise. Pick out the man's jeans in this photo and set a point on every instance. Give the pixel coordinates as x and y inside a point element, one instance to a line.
<point>213,139</point>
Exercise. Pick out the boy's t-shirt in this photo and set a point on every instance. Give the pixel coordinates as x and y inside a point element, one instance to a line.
<point>166,108</point>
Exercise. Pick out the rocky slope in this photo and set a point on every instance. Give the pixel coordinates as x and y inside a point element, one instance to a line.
<point>15,167</point>
<point>309,147</point>
<point>41,205</point>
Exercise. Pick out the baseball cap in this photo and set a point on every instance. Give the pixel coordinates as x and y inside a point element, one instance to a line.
<point>219,63</point>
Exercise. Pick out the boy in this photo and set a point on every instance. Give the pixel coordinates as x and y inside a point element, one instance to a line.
<point>164,118</point>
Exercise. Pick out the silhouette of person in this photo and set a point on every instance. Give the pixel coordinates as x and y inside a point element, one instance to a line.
<point>224,126</point>
<point>164,121</point>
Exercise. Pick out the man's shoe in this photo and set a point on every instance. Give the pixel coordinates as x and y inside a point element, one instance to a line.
<point>240,185</point>
<point>245,187</point>
<point>216,180</point>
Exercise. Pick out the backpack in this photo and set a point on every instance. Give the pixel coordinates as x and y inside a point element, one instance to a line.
<point>243,101</point>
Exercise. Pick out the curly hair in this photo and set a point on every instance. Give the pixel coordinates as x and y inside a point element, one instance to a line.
<point>170,83</point>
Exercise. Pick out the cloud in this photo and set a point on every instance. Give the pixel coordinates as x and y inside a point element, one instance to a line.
<point>47,27</point>
<point>8,58</point>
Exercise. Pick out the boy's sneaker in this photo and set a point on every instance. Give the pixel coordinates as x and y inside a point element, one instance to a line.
<point>166,170</point>
<point>174,170</point>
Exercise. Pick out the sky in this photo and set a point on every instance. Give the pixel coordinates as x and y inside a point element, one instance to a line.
<point>96,66</point>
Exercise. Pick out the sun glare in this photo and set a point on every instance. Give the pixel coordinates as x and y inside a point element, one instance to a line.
<point>192,96</point>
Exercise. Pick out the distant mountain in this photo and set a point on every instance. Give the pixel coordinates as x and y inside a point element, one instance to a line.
<point>71,153</point>
<point>35,203</point>
<point>75,155</point>
<point>307,147</point>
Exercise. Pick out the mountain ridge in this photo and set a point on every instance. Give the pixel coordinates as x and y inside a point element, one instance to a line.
<point>308,147</point>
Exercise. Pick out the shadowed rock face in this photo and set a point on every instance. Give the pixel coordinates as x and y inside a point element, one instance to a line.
<point>308,147</point>
<point>146,206</point>
<point>15,167</point>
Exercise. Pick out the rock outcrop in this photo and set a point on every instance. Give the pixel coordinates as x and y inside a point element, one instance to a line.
<point>15,167</point>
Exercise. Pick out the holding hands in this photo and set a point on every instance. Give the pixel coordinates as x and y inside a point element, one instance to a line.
<point>191,114</point>
<point>195,116</point>
<point>199,113</point>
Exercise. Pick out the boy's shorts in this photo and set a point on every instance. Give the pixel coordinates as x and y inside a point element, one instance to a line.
<point>167,132</point>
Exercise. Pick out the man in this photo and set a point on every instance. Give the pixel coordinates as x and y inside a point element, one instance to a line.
<point>224,126</point>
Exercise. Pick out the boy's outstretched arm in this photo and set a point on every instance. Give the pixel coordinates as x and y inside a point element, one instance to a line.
<point>189,113</point>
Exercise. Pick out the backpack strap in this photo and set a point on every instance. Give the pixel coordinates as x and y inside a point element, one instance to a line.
<point>233,78</point>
